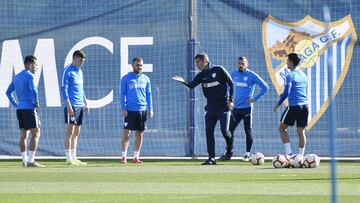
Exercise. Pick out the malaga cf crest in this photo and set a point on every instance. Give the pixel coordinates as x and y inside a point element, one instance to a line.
<point>315,45</point>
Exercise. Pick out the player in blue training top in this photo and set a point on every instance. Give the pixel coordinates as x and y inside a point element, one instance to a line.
<point>296,91</point>
<point>27,109</point>
<point>136,106</point>
<point>72,90</point>
<point>215,82</point>
<point>245,81</point>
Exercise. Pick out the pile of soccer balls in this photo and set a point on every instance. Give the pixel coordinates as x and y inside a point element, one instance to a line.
<point>296,161</point>
<point>285,161</point>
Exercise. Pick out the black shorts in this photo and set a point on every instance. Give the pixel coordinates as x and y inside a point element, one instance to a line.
<point>135,120</point>
<point>244,114</point>
<point>28,118</point>
<point>295,113</point>
<point>77,118</point>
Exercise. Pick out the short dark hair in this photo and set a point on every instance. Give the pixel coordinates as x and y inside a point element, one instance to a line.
<point>202,56</point>
<point>29,59</point>
<point>242,58</point>
<point>79,53</point>
<point>294,58</point>
<point>137,59</point>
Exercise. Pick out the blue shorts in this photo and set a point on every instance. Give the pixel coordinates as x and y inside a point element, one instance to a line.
<point>77,118</point>
<point>135,120</point>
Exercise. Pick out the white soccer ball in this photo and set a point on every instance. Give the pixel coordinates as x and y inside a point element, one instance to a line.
<point>311,161</point>
<point>257,158</point>
<point>296,161</point>
<point>280,161</point>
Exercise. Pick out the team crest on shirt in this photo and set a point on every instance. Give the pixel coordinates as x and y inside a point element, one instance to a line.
<point>316,44</point>
<point>245,78</point>
<point>213,75</point>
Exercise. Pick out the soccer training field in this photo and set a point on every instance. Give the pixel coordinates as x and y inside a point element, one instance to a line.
<point>174,181</point>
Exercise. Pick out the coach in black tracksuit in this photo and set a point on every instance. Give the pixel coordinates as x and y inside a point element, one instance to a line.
<point>215,81</point>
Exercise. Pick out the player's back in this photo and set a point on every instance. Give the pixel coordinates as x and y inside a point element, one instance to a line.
<point>298,91</point>
<point>24,92</point>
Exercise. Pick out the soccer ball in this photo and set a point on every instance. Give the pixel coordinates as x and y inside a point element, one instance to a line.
<point>311,161</point>
<point>257,158</point>
<point>280,161</point>
<point>296,161</point>
<point>287,158</point>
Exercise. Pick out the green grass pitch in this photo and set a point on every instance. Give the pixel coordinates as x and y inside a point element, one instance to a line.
<point>174,181</point>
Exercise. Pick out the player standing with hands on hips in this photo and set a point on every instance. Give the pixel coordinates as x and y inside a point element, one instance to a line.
<point>27,109</point>
<point>136,106</point>
<point>215,82</point>
<point>245,81</point>
<point>296,91</point>
<point>72,90</point>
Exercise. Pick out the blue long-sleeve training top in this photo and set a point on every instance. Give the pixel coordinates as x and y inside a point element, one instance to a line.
<point>135,92</point>
<point>72,87</point>
<point>295,89</point>
<point>244,87</point>
<point>216,82</point>
<point>26,91</point>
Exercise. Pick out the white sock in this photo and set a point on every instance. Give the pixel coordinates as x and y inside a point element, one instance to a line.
<point>73,154</point>
<point>136,154</point>
<point>288,148</point>
<point>24,157</point>
<point>68,154</point>
<point>31,156</point>
<point>301,151</point>
<point>123,154</point>
<point>247,153</point>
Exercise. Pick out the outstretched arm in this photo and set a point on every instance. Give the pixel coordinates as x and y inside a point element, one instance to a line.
<point>192,84</point>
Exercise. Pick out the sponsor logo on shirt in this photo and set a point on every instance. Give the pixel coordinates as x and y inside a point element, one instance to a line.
<point>241,84</point>
<point>210,84</point>
<point>137,86</point>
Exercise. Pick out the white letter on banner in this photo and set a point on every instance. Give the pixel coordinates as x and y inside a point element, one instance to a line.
<point>125,42</point>
<point>11,60</point>
<point>84,43</point>
<point>45,53</point>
